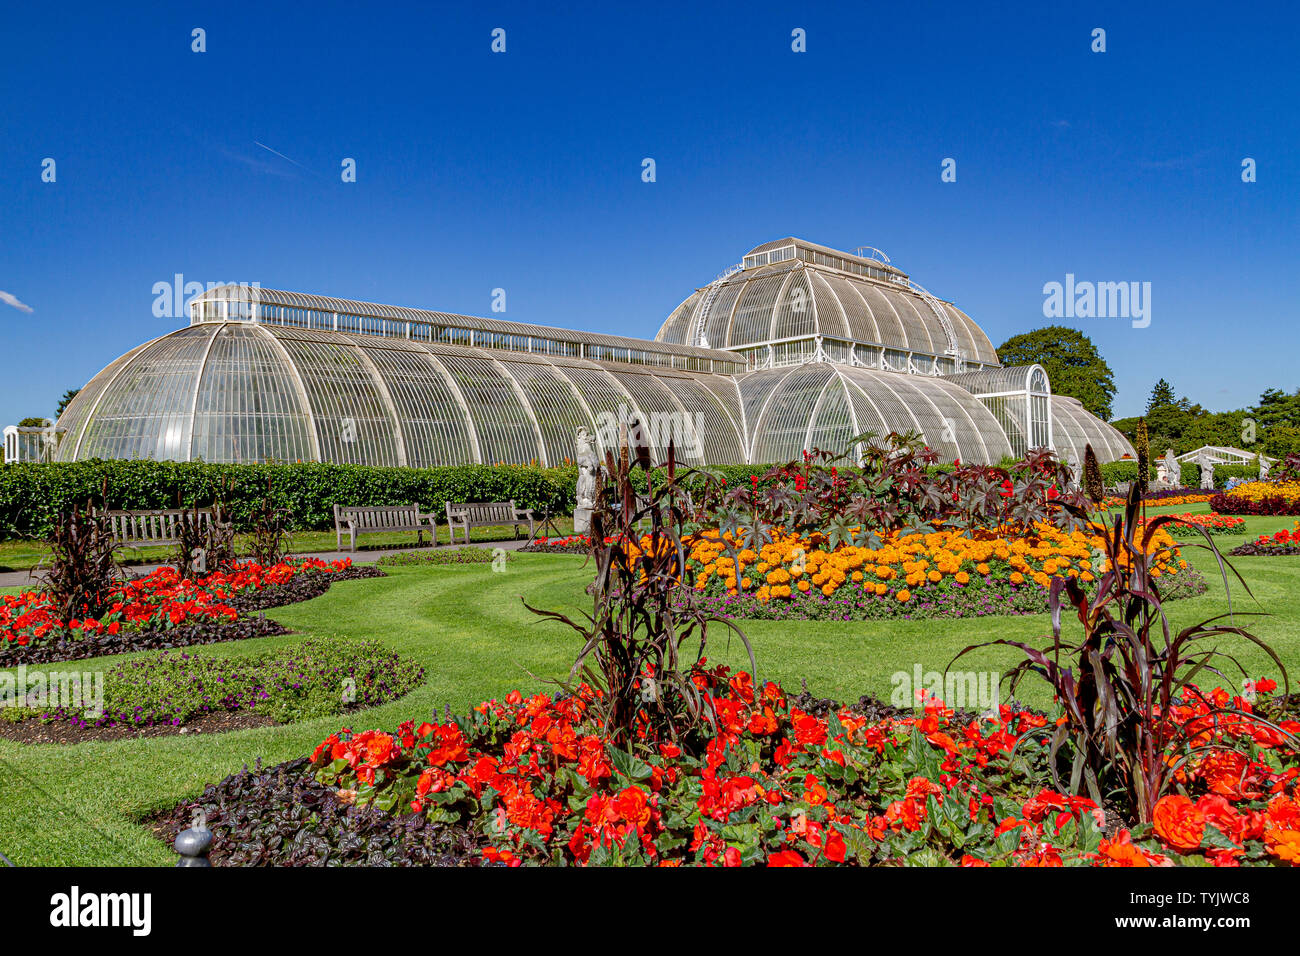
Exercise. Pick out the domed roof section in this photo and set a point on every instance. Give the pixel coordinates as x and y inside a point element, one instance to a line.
<point>1074,428</point>
<point>820,405</point>
<point>790,288</point>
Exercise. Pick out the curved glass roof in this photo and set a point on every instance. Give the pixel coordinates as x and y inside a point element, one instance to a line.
<point>810,347</point>
<point>814,291</point>
<point>245,392</point>
<point>248,392</point>
<point>325,313</point>
<point>788,410</point>
<point>1006,380</point>
<point>1073,427</point>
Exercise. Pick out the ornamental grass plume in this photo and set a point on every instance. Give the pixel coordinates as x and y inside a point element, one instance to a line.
<point>1092,483</point>
<point>1142,444</point>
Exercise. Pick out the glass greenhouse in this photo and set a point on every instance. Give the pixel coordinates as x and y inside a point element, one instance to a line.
<point>799,346</point>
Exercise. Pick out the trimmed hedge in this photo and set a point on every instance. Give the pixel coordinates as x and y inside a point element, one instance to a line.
<point>32,494</point>
<point>1190,473</point>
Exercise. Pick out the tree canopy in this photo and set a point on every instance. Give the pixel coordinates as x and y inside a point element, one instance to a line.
<point>1072,361</point>
<point>1272,426</point>
<point>1162,394</point>
<point>66,400</point>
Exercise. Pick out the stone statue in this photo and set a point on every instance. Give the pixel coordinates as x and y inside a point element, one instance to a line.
<point>1263,467</point>
<point>586,492</point>
<point>1207,470</point>
<point>1173,470</point>
<point>1072,463</point>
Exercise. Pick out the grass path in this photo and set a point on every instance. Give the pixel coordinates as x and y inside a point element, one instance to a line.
<point>467,627</point>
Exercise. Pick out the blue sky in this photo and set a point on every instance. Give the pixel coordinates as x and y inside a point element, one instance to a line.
<point>522,170</point>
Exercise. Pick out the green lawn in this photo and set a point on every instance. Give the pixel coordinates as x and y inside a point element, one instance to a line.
<point>466,625</point>
<point>22,554</point>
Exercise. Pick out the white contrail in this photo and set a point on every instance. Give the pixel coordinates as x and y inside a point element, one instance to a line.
<point>8,299</point>
<point>281,155</point>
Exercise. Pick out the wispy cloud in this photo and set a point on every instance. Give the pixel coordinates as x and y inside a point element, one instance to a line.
<point>9,299</point>
<point>1175,162</point>
<point>260,165</point>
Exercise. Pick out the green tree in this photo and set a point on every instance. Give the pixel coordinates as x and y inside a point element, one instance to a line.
<point>33,423</point>
<point>1073,364</point>
<point>66,400</point>
<point>1277,407</point>
<point>1277,422</point>
<point>1162,394</point>
<point>1215,428</point>
<point>1280,441</point>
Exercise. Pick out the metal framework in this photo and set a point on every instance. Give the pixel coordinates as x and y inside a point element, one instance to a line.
<point>810,347</point>
<point>1223,455</point>
<point>800,295</point>
<point>1019,396</point>
<point>1073,427</point>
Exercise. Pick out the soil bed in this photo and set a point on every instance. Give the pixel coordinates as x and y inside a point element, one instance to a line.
<point>280,816</point>
<point>33,731</point>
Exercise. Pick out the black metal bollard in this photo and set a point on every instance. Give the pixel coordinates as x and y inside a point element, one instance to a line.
<point>193,844</point>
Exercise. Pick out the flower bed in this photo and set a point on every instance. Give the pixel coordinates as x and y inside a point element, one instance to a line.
<point>945,573</point>
<point>1281,543</point>
<point>1166,497</point>
<point>303,586</point>
<point>466,555</point>
<point>1213,523</point>
<point>252,811</point>
<point>779,785</point>
<point>983,597</point>
<point>171,690</point>
<point>1260,498</point>
<point>163,610</point>
<point>573,544</point>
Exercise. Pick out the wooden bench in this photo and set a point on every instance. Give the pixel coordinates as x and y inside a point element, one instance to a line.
<point>162,528</point>
<point>365,519</point>
<point>486,514</point>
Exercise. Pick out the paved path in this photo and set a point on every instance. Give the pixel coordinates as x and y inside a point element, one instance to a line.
<point>19,579</point>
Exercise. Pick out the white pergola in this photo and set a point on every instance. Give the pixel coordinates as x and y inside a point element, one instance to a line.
<point>1222,455</point>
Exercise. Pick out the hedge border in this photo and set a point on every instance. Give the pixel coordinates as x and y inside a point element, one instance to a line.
<point>32,494</point>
